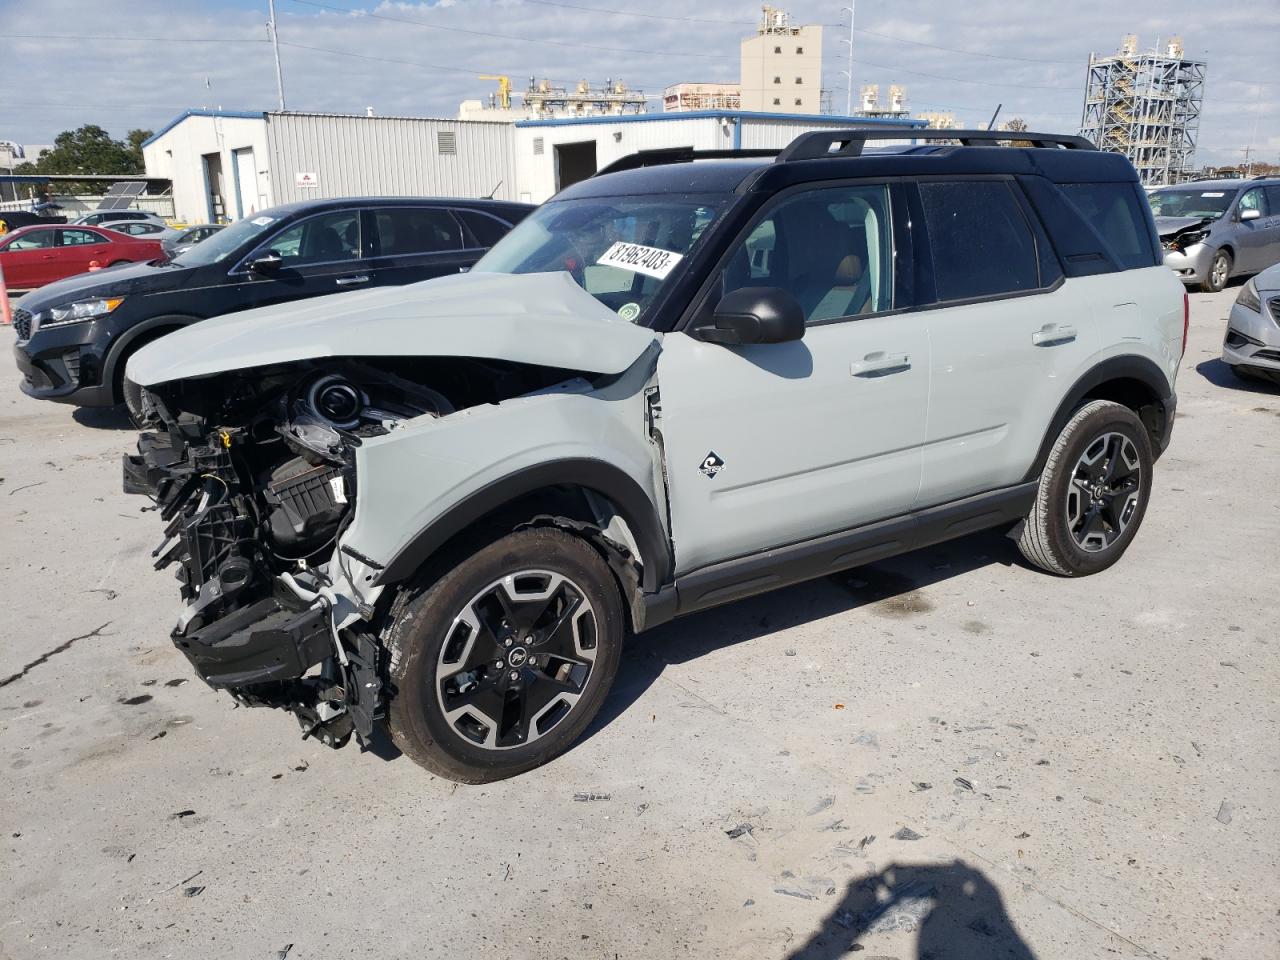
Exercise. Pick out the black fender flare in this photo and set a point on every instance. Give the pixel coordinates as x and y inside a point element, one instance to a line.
<point>603,478</point>
<point>124,344</point>
<point>1128,367</point>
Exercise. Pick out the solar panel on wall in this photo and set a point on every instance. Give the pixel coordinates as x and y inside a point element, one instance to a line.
<point>122,194</point>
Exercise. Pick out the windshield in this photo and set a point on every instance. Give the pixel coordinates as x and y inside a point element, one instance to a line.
<point>225,242</point>
<point>621,250</point>
<point>1191,203</point>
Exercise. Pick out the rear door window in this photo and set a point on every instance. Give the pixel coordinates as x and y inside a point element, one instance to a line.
<point>38,240</point>
<point>485,230</point>
<point>79,238</point>
<point>1115,212</point>
<point>403,231</point>
<point>981,243</point>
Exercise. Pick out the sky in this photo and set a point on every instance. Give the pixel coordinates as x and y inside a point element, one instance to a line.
<point>125,64</point>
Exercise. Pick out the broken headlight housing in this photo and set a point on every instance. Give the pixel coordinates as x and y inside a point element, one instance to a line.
<point>77,312</point>
<point>1184,240</point>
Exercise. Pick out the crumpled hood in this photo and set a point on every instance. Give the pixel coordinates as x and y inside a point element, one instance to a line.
<point>1168,226</point>
<point>539,318</point>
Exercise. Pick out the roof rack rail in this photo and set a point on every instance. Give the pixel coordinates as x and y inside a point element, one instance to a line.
<point>656,158</point>
<point>849,143</point>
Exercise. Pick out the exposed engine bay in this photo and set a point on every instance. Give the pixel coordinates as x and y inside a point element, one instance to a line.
<point>253,473</point>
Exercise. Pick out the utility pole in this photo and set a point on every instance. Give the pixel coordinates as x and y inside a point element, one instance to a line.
<point>275,47</point>
<point>848,101</point>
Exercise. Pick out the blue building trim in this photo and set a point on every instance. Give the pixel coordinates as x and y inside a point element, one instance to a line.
<point>736,115</point>
<point>235,114</point>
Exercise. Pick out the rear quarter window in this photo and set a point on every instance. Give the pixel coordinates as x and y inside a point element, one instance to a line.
<point>1116,212</point>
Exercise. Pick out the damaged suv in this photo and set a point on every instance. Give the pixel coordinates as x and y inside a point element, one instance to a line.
<point>691,378</point>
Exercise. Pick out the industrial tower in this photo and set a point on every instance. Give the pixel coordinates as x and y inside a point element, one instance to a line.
<point>1147,107</point>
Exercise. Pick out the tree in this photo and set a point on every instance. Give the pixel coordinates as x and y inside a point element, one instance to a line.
<point>89,150</point>
<point>1017,125</point>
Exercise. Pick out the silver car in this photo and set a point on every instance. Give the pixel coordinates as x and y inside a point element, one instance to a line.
<point>183,240</point>
<point>1252,344</point>
<point>1213,230</point>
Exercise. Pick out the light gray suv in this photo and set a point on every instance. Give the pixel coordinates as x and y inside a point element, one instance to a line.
<point>686,380</point>
<point>1213,230</point>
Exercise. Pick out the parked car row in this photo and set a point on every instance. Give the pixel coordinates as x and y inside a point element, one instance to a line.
<point>75,335</point>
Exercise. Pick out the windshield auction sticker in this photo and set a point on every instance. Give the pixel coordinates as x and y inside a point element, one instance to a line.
<point>651,261</point>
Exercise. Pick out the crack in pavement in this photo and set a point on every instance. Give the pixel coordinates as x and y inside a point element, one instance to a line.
<point>97,631</point>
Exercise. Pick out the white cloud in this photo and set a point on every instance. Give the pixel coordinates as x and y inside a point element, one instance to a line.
<point>406,68</point>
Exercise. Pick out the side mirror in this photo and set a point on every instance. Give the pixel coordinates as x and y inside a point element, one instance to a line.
<point>267,263</point>
<point>1247,215</point>
<point>755,315</point>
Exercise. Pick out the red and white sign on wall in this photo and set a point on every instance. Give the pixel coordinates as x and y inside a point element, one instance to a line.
<point>307,178</point>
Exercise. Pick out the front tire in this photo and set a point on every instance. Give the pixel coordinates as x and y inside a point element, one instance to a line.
<point>500,665</point>
<point>1093,492</point>
<point>1219,272</point>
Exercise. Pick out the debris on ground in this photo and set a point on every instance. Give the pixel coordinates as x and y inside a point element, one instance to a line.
<point>1225,810</point>
<point>135,701</point>
<point>790,651</point>
<point>740,830</point>
<point>182,813</point>
<point>846,919</point>
<point>591,797</point>
<point>283,953</point>
<point>160,735</point>
<point>795,892</point>
<point>963,784</point>
<point>906,833</point>
<point>835,826</point>
<point>748,903</point>
<point>821,805</point>
<point>303,767</point>
<point>866,841</point>
<point>181,882</point>
<point>913,903</point>
<point>192,891</point>
<point>176,683</point>
<point>920,786</point>
<point>1022,836</point>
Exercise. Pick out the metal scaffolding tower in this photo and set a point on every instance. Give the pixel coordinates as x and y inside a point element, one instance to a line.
<point>1147,107</point>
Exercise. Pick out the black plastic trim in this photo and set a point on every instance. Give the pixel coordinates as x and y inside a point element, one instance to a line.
<point>603,478</point>
<point>772,569</point>
<point>1116,368</point>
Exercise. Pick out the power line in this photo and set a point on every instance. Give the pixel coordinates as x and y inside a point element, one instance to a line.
<point>99,37</point>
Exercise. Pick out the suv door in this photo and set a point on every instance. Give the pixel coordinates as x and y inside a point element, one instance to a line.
<point>1007,338</point>
<point>408,244</point>
<point>773,444</point>
<point>318,254</point>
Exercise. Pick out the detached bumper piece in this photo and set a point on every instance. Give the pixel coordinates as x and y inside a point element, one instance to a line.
<point>262,643</point>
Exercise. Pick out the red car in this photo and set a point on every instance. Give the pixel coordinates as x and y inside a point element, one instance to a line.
<point>34,256</point>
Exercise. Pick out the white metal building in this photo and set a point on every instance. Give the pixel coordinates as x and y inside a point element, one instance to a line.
<point>228,164</point>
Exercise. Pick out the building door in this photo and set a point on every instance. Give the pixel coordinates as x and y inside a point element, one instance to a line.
<point>574,162</point>
<point>215,189</point>
<point>246,183</point>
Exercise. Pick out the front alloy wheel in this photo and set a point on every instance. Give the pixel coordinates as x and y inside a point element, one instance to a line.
<point>517,659</point>
<point>500,664</point>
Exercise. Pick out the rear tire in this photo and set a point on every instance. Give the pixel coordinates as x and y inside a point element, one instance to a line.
<point>1093,492</point>
<point>500,665</point>
<point>1219,272</point>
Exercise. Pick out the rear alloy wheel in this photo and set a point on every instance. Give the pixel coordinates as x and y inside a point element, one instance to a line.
<point>1219,272</point>
<point>1093,492</point>
<point>500,665</point>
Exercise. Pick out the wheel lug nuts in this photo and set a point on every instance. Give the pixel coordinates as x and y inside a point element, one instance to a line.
<point>498,664</point>
<point>515,675</point>
<point>506,642</point>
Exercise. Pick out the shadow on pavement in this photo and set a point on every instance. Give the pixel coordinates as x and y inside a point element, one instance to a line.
<point>952,908</point>
<point>103,418</point>
<point>893,585</point>
<point>1220,375</point>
